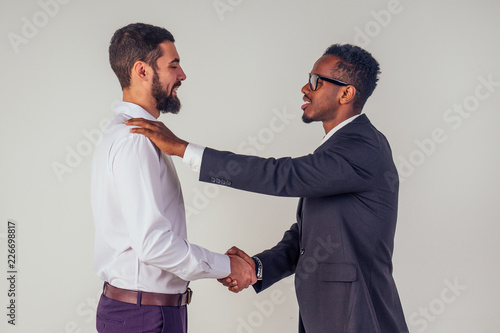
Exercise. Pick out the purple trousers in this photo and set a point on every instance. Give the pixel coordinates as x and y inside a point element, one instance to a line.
<point>118,317</point>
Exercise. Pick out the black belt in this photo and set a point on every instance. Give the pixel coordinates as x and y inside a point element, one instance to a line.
<point>147,298</point>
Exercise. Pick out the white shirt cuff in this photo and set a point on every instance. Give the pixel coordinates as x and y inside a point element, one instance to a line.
<point>193,155</point>
<point>222,264</point>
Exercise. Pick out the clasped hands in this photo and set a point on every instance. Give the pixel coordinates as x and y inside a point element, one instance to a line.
<point>242,271</point>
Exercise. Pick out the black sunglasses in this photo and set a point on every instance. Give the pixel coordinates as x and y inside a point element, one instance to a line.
<point>313,82</point>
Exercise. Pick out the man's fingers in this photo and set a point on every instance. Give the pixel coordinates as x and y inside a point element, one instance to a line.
<point>142,123</point>
<point>227,281</point>
<point>237,252</point>
<point>234,250</point>
<point>161,136</point>
<point>234,289</point>
<point>140,130</point>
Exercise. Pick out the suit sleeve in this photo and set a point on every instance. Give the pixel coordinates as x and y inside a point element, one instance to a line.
<point>343,164</point>
<point>280,261</point>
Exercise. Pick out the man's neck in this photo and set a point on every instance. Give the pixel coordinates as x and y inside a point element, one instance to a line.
<point>147,104</point>
<point>328,126</point>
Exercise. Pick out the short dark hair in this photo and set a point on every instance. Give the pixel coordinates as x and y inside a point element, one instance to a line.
<point>356,67</point>
<point>136,42</point>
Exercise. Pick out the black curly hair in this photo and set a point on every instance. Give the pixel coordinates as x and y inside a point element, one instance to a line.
<point>357,67</point>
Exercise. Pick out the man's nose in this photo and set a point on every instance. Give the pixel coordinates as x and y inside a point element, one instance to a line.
<point>181,76</point>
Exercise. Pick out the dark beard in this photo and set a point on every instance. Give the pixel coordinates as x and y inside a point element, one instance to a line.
<point>164,102</point>
<point>306,119</point>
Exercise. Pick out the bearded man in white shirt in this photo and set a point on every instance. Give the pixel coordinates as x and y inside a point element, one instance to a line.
<point>141,247</point>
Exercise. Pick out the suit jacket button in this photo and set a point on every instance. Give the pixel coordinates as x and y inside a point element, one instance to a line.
<point>223,182</point>
<point>302,251</point>
<point>212,179</point>
<point>229,183</point>
<point>217,180</point>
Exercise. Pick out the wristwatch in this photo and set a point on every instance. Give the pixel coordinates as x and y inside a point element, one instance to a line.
<point>258,268</point>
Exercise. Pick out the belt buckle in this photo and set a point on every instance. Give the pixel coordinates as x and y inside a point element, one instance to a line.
<point>189,295</point>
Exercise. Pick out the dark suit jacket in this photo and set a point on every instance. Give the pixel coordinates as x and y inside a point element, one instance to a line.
<point>340,248</point>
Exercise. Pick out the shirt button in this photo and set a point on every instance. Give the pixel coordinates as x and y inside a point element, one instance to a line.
<point>302,251</point>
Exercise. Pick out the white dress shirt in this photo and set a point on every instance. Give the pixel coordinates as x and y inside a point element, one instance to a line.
<point>140,224</point>
<point>194,153</point>
<point>336,128</point>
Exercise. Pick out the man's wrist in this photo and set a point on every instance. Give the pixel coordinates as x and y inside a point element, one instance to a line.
<point>193,155</point>
<point>182,148</point>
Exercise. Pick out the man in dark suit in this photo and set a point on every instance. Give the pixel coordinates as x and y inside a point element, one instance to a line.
<point>341,246</point>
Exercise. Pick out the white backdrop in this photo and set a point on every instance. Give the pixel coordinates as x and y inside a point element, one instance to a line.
<point>437,102</point>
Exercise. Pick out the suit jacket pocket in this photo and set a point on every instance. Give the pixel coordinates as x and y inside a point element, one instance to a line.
<point>338,272</point>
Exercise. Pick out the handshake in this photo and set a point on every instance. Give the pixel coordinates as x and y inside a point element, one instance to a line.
<point>242,271</point>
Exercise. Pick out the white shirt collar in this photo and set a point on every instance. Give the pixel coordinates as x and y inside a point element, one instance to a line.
<point>339,126</point>
<point>133,110</point>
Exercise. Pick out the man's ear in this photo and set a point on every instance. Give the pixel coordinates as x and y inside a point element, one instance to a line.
<point>141,70</point>
<point>348,94</point>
